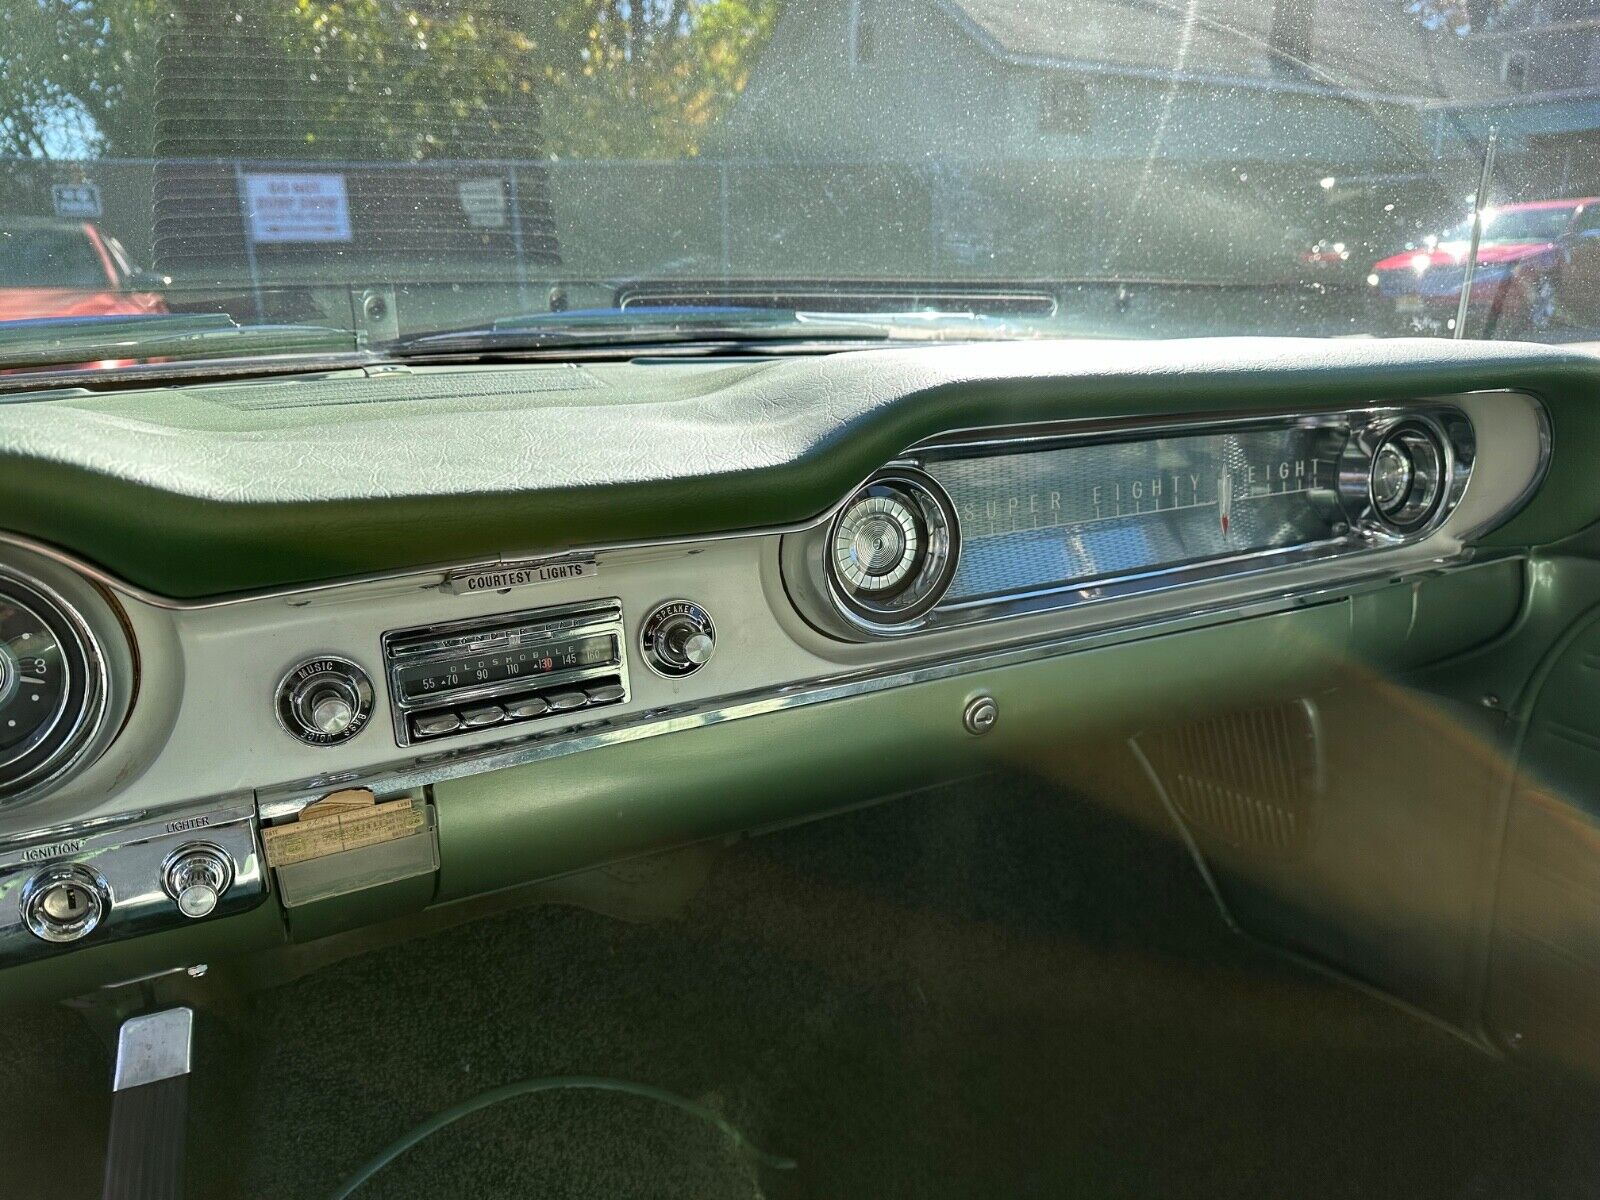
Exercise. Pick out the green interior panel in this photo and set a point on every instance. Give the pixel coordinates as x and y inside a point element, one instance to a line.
<point>1434,617</point>
<point>1545,972</point>
<point>499,830</point>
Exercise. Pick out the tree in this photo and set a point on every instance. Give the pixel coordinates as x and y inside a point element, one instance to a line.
<point>407,80</point>
<point>647,79</point>
<point>78,75</point>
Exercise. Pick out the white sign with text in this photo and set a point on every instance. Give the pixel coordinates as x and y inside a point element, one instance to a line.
<point>297,208</point>
<point>484,202</point>
<point>76,199</point>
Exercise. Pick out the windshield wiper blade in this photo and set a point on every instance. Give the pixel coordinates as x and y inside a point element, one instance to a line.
<point>628,328</point>
<point>70,341</point>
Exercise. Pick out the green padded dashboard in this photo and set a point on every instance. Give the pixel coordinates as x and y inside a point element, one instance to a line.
<point>205,490</point>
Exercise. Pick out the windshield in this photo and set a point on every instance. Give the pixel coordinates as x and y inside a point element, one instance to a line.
<point>397,170</point>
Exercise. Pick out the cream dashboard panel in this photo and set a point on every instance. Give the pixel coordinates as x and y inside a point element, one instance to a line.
<point>205,722</point>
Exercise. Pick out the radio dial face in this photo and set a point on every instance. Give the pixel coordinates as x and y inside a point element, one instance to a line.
<point>505,670</point>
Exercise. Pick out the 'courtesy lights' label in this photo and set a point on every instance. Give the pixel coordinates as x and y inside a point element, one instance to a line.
<point>515,575</point>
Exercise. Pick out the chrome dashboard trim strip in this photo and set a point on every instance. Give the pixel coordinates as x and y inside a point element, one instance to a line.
<point>285,801</point>
<point>112,831</point>
<point>433,577</point>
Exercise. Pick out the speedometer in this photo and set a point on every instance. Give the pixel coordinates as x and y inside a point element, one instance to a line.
<point>51,693</point>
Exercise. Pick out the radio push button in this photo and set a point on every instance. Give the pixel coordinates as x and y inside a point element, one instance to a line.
<point>433,724</point>
<point>528,706</point>
<point>566,701</point>
<point>482,715</point>
<point>606,693</point>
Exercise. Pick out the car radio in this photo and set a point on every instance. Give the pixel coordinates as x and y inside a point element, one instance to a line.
<point>505,670</point>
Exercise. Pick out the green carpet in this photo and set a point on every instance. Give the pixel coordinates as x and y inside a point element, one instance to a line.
<point>991,990</point>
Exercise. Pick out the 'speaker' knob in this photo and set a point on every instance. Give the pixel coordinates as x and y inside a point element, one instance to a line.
<point>678,638</point>
<point>687,644</point>
<point>196,876</point>
<point>325,701</point>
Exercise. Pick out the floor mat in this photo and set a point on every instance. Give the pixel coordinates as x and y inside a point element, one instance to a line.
<point>988,990</point>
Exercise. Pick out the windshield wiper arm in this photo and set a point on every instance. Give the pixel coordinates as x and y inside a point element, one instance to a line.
<point>70,341</point>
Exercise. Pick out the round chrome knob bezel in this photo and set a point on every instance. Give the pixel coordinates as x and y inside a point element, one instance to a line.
<point>304,678</point>
<point>653,635</point>
<point>48,929</point>
<point>197,856</point>
<point>1426,476</point>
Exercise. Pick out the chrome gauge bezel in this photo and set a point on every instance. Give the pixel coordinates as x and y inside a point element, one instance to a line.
<point>896,513</point>
<point>70,734</point>
<point>1426,453</point>
<point>934,546</point>
<point>1440,448</point>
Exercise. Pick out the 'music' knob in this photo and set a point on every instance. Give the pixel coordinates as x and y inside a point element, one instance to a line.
<point>195,877</point>
<point>325,701</point>
<point>678,639</point>
<point>329,709</point>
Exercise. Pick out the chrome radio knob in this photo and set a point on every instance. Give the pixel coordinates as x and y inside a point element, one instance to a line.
<point>678,638</point>
<point>195,877</point>
<point>687,644</point>
<point>330,710</point>
<point>325,701</point>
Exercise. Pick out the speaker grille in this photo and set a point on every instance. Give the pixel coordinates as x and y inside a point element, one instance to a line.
<point>1251,779</point>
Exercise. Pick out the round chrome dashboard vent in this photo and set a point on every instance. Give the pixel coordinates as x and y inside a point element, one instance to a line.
<point>1408,476</point>
<point>892,549</point>
<point>52,686</point>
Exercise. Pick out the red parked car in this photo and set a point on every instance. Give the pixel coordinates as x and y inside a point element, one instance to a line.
<point>1538,267</point>
<point>61,268</point>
